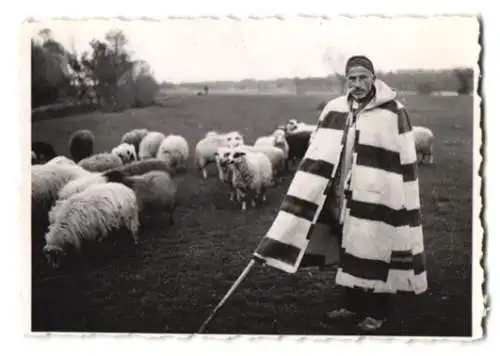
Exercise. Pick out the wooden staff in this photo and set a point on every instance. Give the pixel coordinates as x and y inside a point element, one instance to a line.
<point>231,290</point>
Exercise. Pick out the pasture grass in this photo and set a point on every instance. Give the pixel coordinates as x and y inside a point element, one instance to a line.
<point>171,282</point>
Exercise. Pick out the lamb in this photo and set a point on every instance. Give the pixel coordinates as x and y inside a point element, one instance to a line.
<point>294,126</point>
<point>424,144</point>
<point>251,175</point>
<point>222,156</point>
<point>126,152</point>
<point>276,139</point>
<point>206,149</point>
<point>101,162</point>
<point>174,150</point>
<point>149,145</point>
<point>41,152</point>
<point>134,137</point>
<point>81,144</point>
<point>46,182</point>
<point>234,139</point>
<point>142,167</point>
<point>61,160</point>
<point>155,191</point>
<point>275,156</point>
<point>88,218</point>
<point>80,184</point>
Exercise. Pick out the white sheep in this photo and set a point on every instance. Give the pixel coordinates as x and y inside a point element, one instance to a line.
<point>134,137</point>
<point>206,149</point>
<point>80,184</point>
<point>144,166</point>
<point>155,191</point>
<point>149,145</point>
<point>275,156</point>
<point>251,174</point>
<point>126,152</point>
<point>87,218</point>
<point>174,150</point>
<point>61,160</point>
<point>46,182</point>
<point>222,156</point>
<point>101,162</point>
<point>424,144</point>
<point>294,126</point>
<point>276,139</point>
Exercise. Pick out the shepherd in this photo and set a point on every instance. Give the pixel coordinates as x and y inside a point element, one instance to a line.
<point>355,202</point>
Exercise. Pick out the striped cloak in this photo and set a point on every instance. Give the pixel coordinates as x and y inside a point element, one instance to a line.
<point>379,244</point>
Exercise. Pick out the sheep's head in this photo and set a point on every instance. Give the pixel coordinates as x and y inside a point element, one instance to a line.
<point>222,155</point>
<point>54,255</point>
<point>291,125</point>
<point>126,152</point>
<point>236,156</point>
<point>279,136</point>
<point>234,139</point>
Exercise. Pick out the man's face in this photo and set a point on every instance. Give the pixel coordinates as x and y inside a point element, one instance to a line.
<point>359,82</point>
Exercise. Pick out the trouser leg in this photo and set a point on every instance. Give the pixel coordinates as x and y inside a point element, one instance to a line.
<point>376,305</point>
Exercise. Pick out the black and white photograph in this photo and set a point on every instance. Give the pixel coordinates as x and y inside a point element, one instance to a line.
<point>274,176</point>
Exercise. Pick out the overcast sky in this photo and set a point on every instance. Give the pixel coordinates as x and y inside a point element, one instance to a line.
<point>199,50</point>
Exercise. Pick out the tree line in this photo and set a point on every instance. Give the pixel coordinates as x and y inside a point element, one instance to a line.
<point>105,75</point>
<point>460,80</point>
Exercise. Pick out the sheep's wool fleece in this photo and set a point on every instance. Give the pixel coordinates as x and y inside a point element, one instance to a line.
<point>91,214</point>
<point>377,240</point>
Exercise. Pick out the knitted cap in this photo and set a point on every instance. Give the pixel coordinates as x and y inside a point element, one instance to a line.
<point>359,61</point>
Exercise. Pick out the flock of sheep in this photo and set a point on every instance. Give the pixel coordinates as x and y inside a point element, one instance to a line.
<point>79,202</point>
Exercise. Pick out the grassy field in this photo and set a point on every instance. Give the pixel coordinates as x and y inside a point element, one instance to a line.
<point>179,273</point>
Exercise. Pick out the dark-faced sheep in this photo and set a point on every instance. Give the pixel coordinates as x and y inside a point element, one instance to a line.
<point>43,152</point>
<point>81,144</point>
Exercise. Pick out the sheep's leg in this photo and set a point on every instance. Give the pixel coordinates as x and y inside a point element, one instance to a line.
<point>431,155</point>
<point>256,196</point>
<point>263,194</point>
<point>204,173</point>
<point>241,196</point>
<point>219,170</point>
<point>419,157</point>
<point>231,194</point>
<point>134,229</point>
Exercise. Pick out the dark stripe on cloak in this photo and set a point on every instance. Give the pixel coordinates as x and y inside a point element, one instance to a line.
<point>299,207</point>
<point>377,212</point>
<point>334,120</point>
<point>317,167</point>
<point>379,158</point>
<point>270,248</point>
<point>410,172</point>
<point>364,268</point>
<point>378,270</point>
<point>405,260</point>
